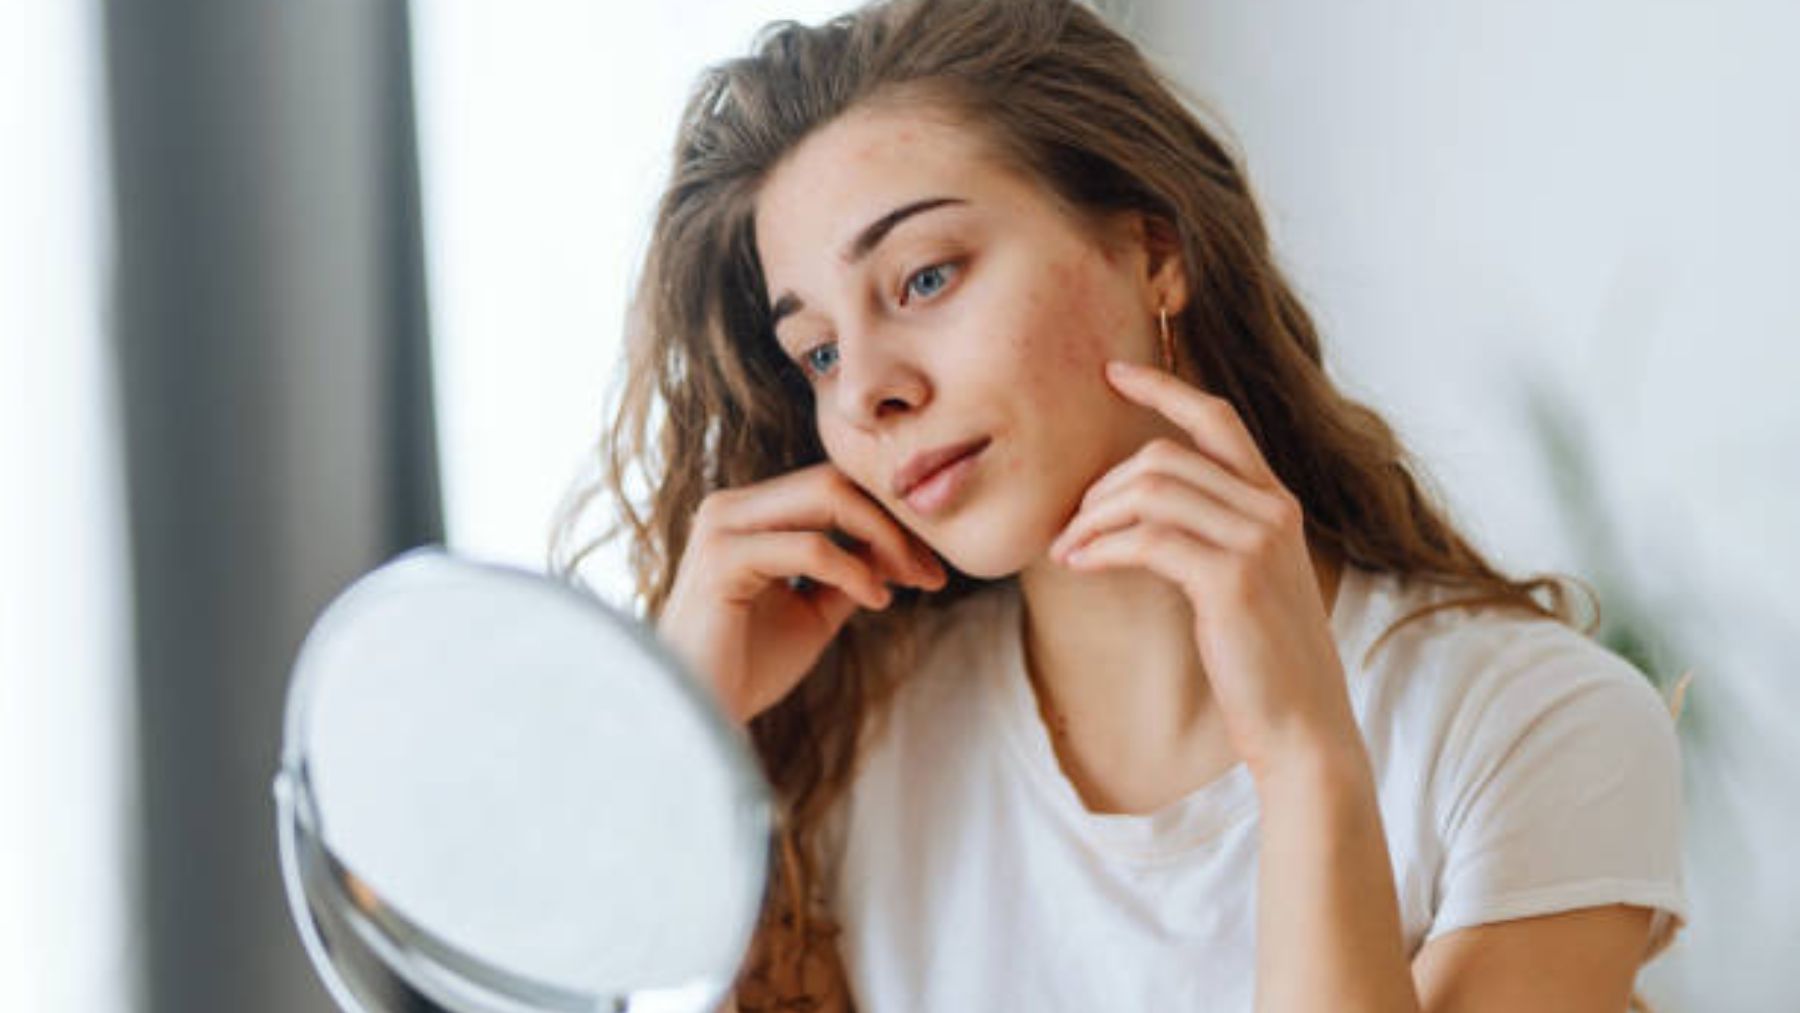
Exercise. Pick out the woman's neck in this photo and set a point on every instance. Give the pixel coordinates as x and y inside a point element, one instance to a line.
<point>1118,679</point>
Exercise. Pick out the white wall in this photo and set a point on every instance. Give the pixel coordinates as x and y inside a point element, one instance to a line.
<point>545,139</point>
<point>1601,194</point>
<point>67,804</point>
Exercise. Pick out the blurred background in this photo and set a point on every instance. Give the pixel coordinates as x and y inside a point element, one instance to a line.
<point>286,288</point>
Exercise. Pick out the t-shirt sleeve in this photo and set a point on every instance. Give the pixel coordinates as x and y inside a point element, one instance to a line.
<point>1561,789</point>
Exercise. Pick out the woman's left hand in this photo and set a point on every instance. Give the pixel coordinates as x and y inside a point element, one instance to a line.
<point>1213,519</point>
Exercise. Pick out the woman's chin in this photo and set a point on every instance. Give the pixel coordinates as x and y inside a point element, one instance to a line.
<point>993,559</point>
<point>993,546</point>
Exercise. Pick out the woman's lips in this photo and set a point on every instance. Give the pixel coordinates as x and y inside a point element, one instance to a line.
<point>937,490</point>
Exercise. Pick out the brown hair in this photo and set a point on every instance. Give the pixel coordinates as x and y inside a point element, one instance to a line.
<point>1069,101</point>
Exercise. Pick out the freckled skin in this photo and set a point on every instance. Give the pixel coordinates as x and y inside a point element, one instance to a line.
<point>1082,346</point>
<point>1013,345</point>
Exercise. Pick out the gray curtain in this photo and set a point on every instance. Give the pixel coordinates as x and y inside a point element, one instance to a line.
<point>269,313</point>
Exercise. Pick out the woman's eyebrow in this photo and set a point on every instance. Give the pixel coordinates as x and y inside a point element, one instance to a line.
<point>863,245</point>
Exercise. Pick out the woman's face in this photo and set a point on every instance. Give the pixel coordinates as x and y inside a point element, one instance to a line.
<point>933,298</point>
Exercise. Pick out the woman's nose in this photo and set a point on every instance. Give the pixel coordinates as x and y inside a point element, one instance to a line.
<point>875,382</point>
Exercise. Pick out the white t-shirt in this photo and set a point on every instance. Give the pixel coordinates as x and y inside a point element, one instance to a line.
<point>1521,768</point>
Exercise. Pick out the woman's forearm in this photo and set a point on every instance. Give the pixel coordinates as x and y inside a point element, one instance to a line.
<point>1328,919</point>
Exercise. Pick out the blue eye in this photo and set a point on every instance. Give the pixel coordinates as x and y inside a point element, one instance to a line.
<point>935,278</point>
<point>936,271</point>
<point>810,364</point>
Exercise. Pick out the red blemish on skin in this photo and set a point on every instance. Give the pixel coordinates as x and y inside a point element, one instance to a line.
<point>880,148</point>
<point>1011,466</point>
<point>1077,318</point>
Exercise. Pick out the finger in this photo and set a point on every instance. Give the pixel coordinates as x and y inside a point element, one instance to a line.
<point>863,518</point>
<point>1165,501</point>
<point>1212,421</point>
<point>757,559</point>
<point>818,497</point>
<point>1170,552</point>
<point>1169,457</point>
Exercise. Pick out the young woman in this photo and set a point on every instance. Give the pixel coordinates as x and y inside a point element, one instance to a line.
<point>1102,653</point>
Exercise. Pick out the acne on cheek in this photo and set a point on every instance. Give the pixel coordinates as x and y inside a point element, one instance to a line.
<point>1075,322</point>
<point>1010,470</point>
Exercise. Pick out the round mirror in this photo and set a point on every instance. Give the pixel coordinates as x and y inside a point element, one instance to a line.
<point>499,793</point>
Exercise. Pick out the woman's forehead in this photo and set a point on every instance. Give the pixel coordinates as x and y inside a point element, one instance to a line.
<point>865,164</point>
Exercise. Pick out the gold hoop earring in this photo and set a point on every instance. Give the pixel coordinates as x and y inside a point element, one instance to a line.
<point>1168,343</point>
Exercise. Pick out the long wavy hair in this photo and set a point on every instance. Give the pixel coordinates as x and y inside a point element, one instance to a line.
<point>708,402</point>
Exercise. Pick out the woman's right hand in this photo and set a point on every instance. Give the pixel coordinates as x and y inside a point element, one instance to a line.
<point>734,617</point>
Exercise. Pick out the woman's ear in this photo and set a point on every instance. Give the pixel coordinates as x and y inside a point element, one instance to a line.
<point>1165,261</point>
<point>1135,234</point>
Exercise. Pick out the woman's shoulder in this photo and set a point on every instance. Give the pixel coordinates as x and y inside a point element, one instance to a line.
<point>1483,677</point>
<point>1456,639</point>
<point>1528,768</point>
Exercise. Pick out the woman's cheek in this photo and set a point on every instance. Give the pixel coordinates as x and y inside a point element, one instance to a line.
<point>1071,328</point>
